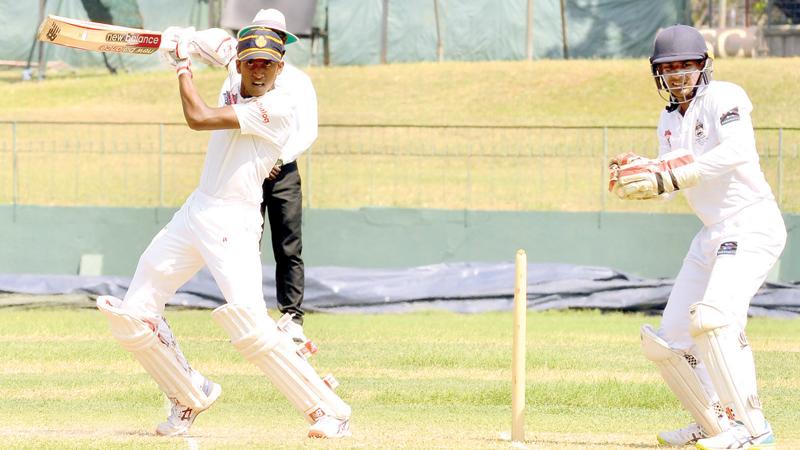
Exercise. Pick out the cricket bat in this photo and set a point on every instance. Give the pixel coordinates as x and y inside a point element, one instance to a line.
<point>98,37</point>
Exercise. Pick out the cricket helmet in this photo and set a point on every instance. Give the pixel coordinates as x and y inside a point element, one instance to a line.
<point>680,43</point>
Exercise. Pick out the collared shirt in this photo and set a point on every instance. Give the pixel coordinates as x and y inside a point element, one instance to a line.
<point>238,160</point>
<point>299,87</point>
<point>718,130</point>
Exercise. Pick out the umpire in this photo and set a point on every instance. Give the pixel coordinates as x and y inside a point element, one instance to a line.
<point>282,202</point>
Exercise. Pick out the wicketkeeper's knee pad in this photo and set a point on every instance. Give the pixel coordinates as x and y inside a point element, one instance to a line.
<point>678,370</point>
<point>729,359</point>
<point>257,337</point>
<point>153,345</point>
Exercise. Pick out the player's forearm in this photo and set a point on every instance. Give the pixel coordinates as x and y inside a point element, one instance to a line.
<point>193,105</point>
<point>194,108</point>
<point>199,116</point>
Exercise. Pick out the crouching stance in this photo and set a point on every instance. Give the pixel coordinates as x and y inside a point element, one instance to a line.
<point>219,226</point>
<point>707,151</point>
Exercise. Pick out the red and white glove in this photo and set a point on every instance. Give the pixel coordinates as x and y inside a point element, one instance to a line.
<point>623,159</point>
<point>635,177</point>
<point>175,46</point>
<point>214,47</point>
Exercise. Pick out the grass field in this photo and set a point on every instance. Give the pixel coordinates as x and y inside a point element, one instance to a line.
<point>415,381</point>
<point>351,167</point>
<point>545,92</point>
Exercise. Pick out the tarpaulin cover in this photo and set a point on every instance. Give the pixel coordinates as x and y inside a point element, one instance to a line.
<point>457,287</point>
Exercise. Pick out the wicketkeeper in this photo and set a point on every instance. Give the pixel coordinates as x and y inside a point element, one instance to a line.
<point>707,150</point>
<point>219,226</point>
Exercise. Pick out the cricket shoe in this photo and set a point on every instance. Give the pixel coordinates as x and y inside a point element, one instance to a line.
<point>295,331</point>
<point>182,417</point>
<point>684,436</point>
<point>737,438</point>
<point>329,427</point>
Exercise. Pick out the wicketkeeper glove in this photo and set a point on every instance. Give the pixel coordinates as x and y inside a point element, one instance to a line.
<point>634,177</point>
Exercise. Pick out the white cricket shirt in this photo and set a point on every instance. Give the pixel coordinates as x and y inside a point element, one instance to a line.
<point>238,161</point>
<point>299,87</point>
<point>718,130</point>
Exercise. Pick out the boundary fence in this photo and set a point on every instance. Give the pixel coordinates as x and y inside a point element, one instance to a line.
<point>505,168</point>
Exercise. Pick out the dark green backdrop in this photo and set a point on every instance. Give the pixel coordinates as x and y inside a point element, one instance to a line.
<point>38,239</point>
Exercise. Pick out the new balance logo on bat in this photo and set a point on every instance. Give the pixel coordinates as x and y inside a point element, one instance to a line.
<point>52,33</point>
<point>134,38</point>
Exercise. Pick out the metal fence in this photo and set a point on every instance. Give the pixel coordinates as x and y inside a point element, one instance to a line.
<point>352,166</point>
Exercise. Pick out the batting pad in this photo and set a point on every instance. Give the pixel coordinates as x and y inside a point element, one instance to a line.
<point>257,337</point>
<point>157,352</point>
<point>681,378</point>
<point>729,360</point>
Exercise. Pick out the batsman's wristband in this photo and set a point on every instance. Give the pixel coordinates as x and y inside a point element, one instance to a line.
<point>187,68</point>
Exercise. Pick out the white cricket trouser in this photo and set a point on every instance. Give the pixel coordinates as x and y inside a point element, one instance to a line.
<point>220,234</point>
<point>728,281</point>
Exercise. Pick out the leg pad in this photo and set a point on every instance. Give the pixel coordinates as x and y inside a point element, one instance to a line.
<point>153,345</point>
<point>729,359</point>
<point>677,369</point>
<point>257,337</point>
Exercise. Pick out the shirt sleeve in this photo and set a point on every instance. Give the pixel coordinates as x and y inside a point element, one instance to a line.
<point>663,136</point>
<point>730,115</point>
<point>306,125</point>
<point>269,117</point>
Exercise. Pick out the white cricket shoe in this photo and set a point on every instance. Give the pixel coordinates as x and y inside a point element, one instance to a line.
<point>295,331</point>
<point>737,438</point>
<point>684,436</point>
<point>182,417</point>
<point>329,427</point>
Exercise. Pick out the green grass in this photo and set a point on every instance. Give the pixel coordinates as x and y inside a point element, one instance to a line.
<point>545,92</point>
<point>422,380</point>
<point>351,167</point>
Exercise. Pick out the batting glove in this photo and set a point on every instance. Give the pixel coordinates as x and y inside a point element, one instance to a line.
<point>175,46</point>
<point>214,47</point>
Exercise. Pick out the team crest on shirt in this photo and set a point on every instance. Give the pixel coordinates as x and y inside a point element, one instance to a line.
<point>230,97</point>
<point>730,116</point>
<point>728,248</point>
<point>700,135</point>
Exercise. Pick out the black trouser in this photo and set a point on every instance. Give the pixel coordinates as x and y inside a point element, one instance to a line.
<point>283,205</point>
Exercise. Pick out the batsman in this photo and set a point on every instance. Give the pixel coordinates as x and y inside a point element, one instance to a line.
<point>219,226</point>
<point>707,150</point>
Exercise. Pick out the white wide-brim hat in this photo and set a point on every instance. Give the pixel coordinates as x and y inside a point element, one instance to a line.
<point>274,20</point>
